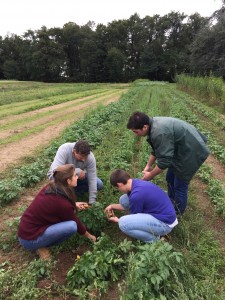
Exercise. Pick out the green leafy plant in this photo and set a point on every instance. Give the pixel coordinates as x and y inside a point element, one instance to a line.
<point>94,270</point>
<point>152,272</point>
<point>94,218</point>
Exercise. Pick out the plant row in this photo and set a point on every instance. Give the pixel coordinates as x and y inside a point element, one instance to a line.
<point>215,189</point>
<point>208,87</point>
<point>30,91</point>
<point>28,175</point>
<point>143,272</point>
<point>154,271</point>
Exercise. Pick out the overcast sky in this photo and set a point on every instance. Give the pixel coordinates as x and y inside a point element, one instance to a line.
<point>17,16</point>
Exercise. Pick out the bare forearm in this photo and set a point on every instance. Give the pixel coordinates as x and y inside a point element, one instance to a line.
<point>156,171</point>
<point>90,236</point>
<point>150,175</point>
<point>114,206</point>
<point>150,162</point>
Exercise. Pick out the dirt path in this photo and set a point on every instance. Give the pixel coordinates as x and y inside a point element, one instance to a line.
<point>12,153</point>
<point>64,261</point>
<point>212,220</point>
<point>27,146</point>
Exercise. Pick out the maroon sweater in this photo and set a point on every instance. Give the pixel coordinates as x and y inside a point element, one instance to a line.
<point>46,210</point>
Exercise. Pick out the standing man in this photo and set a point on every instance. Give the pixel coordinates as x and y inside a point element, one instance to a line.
<point>177,146</point>
<point>80,155</point>
<point>152,214</point>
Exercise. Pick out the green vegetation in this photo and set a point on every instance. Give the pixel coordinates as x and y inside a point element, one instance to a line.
<point>154,47</point>
<point>190,267</point>
<point>209,88</point>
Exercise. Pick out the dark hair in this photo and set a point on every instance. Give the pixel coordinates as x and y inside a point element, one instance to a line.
<point>82,147</point>
<point>61,174</point>
<point>137,120</point>
<point>119,176</point>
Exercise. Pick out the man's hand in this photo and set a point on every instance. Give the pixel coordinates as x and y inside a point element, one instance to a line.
<point>147,175</point>
<point>114,219</point>
<point>147,169</point>
<point>82,175</point>
<point>108,208</point>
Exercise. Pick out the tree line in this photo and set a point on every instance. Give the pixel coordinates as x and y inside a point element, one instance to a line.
<point>154,47</point>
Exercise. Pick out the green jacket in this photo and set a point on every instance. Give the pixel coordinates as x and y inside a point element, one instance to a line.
<point>177,145</point>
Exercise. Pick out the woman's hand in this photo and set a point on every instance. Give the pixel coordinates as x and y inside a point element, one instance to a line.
<point>82,205</point>
<point>90,236</point>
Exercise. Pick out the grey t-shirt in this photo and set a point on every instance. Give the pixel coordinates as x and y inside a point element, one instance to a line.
<point>64,155</point>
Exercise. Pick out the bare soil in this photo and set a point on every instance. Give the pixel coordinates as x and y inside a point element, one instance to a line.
<point>212,220</point>
<point>11,154</point>
<point>14,152</point>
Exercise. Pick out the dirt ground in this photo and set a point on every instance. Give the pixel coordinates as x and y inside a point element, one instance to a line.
<point>64,261</point>
<point>27,146</point>
<point>214,222</point>
<point>12,153</point>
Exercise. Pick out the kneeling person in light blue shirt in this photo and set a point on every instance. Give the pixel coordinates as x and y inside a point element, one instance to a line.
<point>152,214</point>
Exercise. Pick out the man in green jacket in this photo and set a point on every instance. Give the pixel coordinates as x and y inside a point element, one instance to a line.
<point>177,146</point>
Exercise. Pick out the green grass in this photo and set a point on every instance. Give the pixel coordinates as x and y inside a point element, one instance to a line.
<point>114,146</point>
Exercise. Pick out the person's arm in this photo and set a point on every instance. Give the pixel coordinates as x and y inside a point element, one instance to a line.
<point>90,236</point>
<point>92,177</point>
<point>150,175</point>
<point>149,164</point>
<point>59,160</point>
<point>164,152</point>
<point>114,206</point>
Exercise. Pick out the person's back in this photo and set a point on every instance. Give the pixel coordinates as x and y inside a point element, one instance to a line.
<point>146,197</point>
<point>151,212</point>
<point>51,217</point>
<point>178,145</point>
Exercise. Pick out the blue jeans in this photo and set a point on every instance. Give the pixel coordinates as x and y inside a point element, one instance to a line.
<point>53,235</point>
<point>82,185</point>
<point>143,227</point>
<point>177,191</point>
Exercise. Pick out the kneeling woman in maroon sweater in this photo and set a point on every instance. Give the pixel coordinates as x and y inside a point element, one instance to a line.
<point>51,217</point>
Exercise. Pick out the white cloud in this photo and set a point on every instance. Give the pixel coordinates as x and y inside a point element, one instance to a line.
<point>17,16</point>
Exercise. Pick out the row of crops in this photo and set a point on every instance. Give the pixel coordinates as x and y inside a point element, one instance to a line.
<point>191,267</point>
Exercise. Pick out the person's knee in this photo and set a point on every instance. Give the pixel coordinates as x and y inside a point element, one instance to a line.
<point>123,224</point>
<point>124,202</point>
<point>72,227</point>
<point>99,184</point>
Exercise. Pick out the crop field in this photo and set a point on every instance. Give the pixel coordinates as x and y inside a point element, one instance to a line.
<point>32,114</point>
<point>35,119</point>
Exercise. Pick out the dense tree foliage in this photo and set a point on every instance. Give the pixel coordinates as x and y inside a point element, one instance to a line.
<point>208,48</point>
<point>154,47</point>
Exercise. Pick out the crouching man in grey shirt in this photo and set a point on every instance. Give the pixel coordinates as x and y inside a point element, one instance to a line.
<point>80,155</point>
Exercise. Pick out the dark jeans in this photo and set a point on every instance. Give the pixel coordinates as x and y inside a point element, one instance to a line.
<point>177,191</point>
<point>82,185</point>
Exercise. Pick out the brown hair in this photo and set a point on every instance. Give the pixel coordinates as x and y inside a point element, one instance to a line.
<point>119,176</point>
<point>137,120</point>
<point>82,147</point>
<point>61,174</point>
